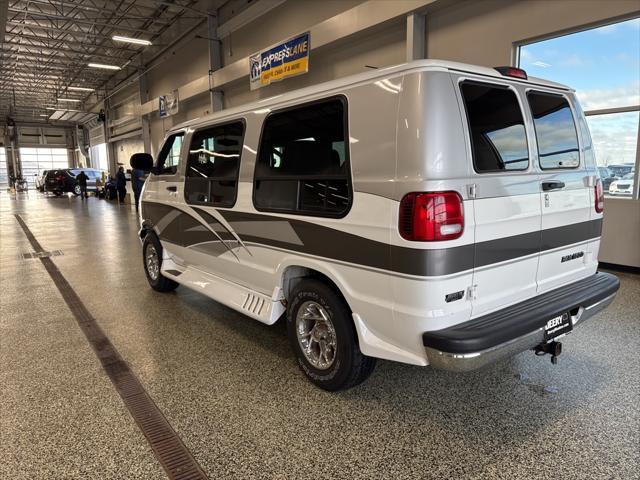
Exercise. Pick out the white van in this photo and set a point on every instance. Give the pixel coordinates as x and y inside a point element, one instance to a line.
<point>431,213</point>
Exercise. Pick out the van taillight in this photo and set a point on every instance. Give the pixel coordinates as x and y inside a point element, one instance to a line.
<point>432,216</point>
<point>599,191</point>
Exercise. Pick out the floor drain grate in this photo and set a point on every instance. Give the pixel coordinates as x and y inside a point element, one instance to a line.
<point>42,254</point>
<point>172,454</point>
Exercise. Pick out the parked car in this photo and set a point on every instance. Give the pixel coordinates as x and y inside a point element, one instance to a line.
<point>395,214</point>
<point>64,180</point>
<point>40,180</point>
<point>607,177</point>
<point>622,186</point>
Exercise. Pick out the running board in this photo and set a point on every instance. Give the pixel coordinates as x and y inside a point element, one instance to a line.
<point>253,304</point>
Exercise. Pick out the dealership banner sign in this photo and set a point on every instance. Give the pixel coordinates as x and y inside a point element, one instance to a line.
<point>168,104</point>
<point>284,60</point>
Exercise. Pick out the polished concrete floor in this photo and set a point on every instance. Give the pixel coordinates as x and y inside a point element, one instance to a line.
<point>231,389</point>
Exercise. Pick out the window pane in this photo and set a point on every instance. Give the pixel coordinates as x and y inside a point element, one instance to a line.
<point>498,136</point>
<point>36,160</point>
<point>330,195</point>
<point>4,179</point>
<point>555,131</point>
<point>615,138</point>
<point>170,155</point>
<point>600,63</point>
<point>213,163</point>
<point>302,162</point>
<point>98,154</point>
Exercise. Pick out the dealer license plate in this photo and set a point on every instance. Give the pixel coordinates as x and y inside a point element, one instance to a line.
<point>557,326</point>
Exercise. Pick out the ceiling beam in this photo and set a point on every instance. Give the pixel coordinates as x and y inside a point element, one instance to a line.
<point>58,30</point>
<point>48,51</point>
<point>83,6</point>
<point>61,57</point>
<point>77,21</point>
<point>12,38</point>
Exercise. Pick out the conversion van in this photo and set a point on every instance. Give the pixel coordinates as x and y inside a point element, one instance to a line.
<point>431,213</point>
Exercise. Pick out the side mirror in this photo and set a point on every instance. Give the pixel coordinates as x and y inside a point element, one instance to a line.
<point>142,161</point>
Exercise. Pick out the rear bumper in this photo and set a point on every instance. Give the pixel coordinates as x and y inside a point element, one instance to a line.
<point>483,340</point>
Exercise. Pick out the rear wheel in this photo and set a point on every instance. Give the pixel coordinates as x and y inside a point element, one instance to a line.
<point>152,258</point>
<point>77,190</point>
<point>324,339</point>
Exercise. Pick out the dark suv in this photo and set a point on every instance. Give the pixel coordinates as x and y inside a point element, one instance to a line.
<point>607,177</point>
<point>64,180</point>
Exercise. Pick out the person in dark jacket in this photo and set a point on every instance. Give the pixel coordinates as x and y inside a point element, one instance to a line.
<point>137,182</point>
<point>82,178</point>
<point>121,184</point>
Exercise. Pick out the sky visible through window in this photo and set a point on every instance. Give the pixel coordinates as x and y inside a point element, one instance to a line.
<point>603,66</point>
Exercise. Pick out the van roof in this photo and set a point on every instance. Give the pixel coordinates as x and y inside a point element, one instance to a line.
<point>361,78</point>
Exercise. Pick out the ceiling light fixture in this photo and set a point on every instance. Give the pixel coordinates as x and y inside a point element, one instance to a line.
<point>68,100</point>
<point>81,89</point>
<point>102,65</point>
<point>137,41</point>
<point>44,115</point>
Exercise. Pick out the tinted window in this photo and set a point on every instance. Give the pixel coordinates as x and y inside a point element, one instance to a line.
<point>212,165</point>
<point>170,155</point>
<point>555,131</point>
<point>302,164</point>
<point>498,136</point>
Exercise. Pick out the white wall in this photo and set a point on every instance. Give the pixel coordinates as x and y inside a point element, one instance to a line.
<point>483,31</point>
<point>379,48</point>
<point>125,148</point>
<point>621,232</point>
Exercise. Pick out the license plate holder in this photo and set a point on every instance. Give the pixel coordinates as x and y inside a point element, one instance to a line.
<point>557,326</point>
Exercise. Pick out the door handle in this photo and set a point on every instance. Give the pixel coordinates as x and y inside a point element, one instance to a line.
<point>172,189</point>
<point>555,185</point>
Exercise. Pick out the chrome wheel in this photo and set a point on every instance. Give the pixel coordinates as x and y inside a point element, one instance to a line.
<point>316,335</point>
<point>152,261</point>
<point>77,190</point>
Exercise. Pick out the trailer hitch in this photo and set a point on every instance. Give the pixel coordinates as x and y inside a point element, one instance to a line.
<point>552,348</point>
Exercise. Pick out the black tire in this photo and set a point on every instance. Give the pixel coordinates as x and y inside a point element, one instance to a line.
<point>77,190</point>
<point>350,367</point>
<point>160,283</point>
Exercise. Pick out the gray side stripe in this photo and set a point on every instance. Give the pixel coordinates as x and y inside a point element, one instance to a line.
<point>327,242</point>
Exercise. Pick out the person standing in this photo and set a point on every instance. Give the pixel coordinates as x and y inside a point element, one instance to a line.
<point>82,178</point>
<point>137,182</point>
<point>121,184</point>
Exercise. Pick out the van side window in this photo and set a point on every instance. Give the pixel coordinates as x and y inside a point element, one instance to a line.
<point>213,164</point>
<point>303,161</point>
<point>496,126</point>
<point>170,155</point>
<point>555,131</point>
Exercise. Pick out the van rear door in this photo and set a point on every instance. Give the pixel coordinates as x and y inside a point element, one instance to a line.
<point>565,185</point>
<point>507,199</point>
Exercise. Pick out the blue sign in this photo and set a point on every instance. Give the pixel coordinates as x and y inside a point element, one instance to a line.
<point>280,61</point>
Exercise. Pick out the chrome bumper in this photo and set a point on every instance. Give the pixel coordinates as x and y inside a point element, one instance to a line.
<point>474,360</point>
